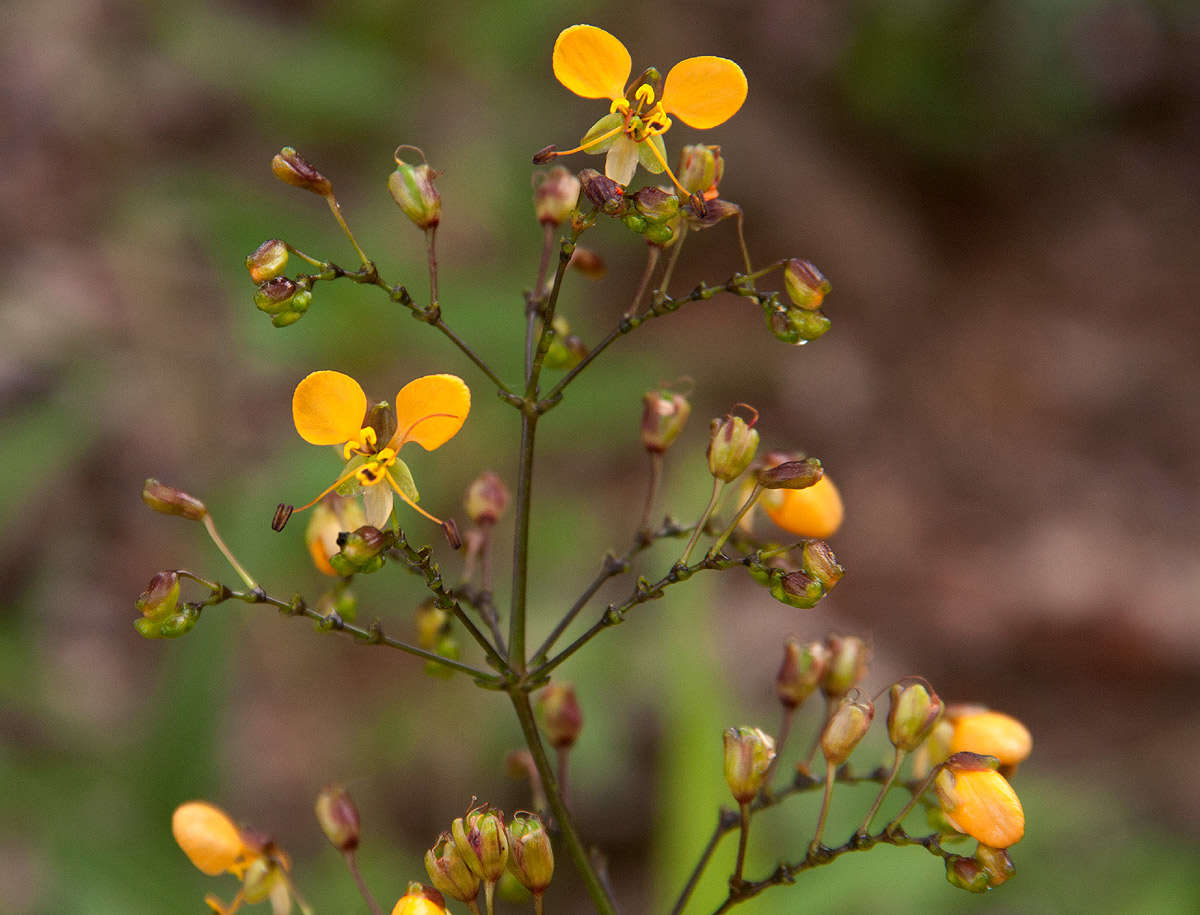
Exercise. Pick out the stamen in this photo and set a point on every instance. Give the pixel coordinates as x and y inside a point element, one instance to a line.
<point>619,104</point>
<point>590,143</point>
<point>645,94</point>
<point>411,503</point>
<point>336,483</point>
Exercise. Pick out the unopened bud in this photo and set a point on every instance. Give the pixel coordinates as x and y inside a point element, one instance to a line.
<point>566,350</point>
<point>338,817</point>
<point>482,842</point>
<point>796,589</point>
<point>655,204</point>
<point>267,261</point>
<point>997,862</point>
<point>791,474</point>
<point>664,415</point>
<point>555,196</point>
<point>170,627</point>
<point>531,858</point>
<point>805,284</point>
<point>562,716</point>
<point>448,870</point>
<point>413,190</point>
<point>815,511</point>
<point>715,211</point>
<point>602,191</point>
<point>848,657</point>
<point>172,501</point>
<point>361,550</point>
<point>487,498</point>
<point>420,900</point>
<point>915,709</point>
<point>587,262</point>
<point>800,673</point>
<point>821,564</point>
<point>161,597</point>
<point>981,730</point>
<point>846,727</point>
<point>700,169</point>
<point>432,624</point>
<point>663,234</point>
<point>967,874</point>
<point>808,325</point>
<point>292,168</point>
<point>978,801</point>
<point>381,417</point>
<point>748,756</point>
<point>281,297</point>
<point>731,446</point>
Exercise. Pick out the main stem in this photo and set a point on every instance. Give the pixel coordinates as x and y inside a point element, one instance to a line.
<point>576,851</point>
<point>516,615</point>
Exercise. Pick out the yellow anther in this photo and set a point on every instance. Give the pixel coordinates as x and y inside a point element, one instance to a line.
<point>619,104</point>
<point>644,94</point>
<point>367,437</point>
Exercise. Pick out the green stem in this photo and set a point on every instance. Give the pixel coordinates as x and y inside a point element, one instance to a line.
<point>336,209</point>
<point>671,262</point>
<point>866,824</point>
<point>830,771</point>
<point>431,257</point>
<point>718,488</point>
<point>352,864</point>
<point>754,494</point>
<point>211,527</point>
<point>516,615</point>
<point>575,850</point>
<point>651,262</point>
<point>743,838</point>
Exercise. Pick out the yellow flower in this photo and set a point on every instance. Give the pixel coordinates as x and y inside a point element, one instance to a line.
<point>979,801</point>
<point>815,511</point>
<point>330,408</point>
<point>419,900</point>
<point>702,91</point>
<point>981,730</point>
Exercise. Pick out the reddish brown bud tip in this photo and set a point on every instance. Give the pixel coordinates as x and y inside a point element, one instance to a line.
<point>487,498</point>
<point>292,168</point>
<point>791,474</point>
<point>602,191</point>
<point>562,717</point>
<point>172,501</point>
<point>338,817</point>
<point>544,155</point>
<point>450,529</point>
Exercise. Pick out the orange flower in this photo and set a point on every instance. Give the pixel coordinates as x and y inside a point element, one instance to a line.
<point>330,408</point>
<point>981,730</point>
<point>815,511</point>
<point>420,900</point>
<point>978,801</point>
<point>702,91</point>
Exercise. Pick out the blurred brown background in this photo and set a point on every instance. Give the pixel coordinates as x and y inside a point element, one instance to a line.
<point>1005,198</point>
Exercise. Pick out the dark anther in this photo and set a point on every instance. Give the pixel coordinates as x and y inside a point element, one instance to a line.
<point>282,513</point>
<point>544,155</point>
<point>450,529</point>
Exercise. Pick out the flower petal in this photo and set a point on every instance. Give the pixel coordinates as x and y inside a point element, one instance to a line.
<point>377,500</point>
<point>591,62</point>
<point>815,511</point>
<point>704,91</point>
<point>328,408</point>
<point>430,410</point>
<point>622,160</point>
<point>207,836</point>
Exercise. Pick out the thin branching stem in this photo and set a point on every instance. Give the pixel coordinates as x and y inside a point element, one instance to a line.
<point>896,761</point>
<point>743,839</point>
<point>363,889</point>
<point>431,257</point>
<point>652,255</point>
<point>718,488</point>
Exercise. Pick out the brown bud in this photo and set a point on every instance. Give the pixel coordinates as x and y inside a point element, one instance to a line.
<point>161,597</point>
<point>748,755</point>
<point>486,499</point>
<point>791,474</point>
<point>846,727</point>
<point>267,261</point>
<point>847,664</point>
<point>338,817</point>
<point>544,155</point>
<point>821,564</point>
<point>731,446</point>
<point>664,414</point>
<point>800,673</point>
<point>655,204</point>
<point>292,168</point>
<point>715,211</point>
<point>562,717</point>
<point>172,501</point>
<point>555,196</point>
<point>602,191</point>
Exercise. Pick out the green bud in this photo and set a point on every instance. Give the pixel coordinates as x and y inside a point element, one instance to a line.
<point>846,727</point>
<point>565,350</point>
<point>664,414</point>
<point>996,862</point>
<point>412,188</point>
<point>805,284</point>
<point>791,474</point>
<point>731,446</point>
<point>809,325</point>
<point>161,597</point>
<point>748,756</point>
<point>847,665</point>
<point>800,673</point>
<point>555,195</point>
<point>267,261</point>
<point>660,234</point>
<point>819,562</point>
<point>448,870</point>
<point>914,710</point>
<point>172,501</point>
<point>562,716</point>
<point>363,545</point>
<point>292,168</point>
<point>279,295</point>
<point>796,589</point>
<point>700,168</point>
<point>338,817</point>
<point>779,323</point>
<point>967,874</point>
<point>657,205</point>
<point>447,646</point>
<point>635,223</point>
<point>531,858</point>
<point>483,842</point>
<point>172,627</point>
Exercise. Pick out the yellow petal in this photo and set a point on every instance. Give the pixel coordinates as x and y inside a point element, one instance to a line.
<point>328,408</point>
<point>430,410</point>
<point>992,734</point>
<point>591,62</point>
<point>704,91</point>
<point>815,511</point>
<point>983,805</point>
<point>207,836</point>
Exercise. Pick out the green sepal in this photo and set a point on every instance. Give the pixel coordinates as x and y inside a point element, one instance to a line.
<point>603,126</point>
<point>404,479</point>
<point>646,156</point>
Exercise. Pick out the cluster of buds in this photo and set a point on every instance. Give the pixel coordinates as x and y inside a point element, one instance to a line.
<point>480,847</point>
<point>803,320</point>
<point>163,616</point>
<point>803,587</point>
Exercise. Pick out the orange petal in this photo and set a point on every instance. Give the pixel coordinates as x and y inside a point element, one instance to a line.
<point>815,511</point>
<point>591,62</point>
<point>430,410</point>
<point>983,805</point>
<point>328,408</point>
<point>704,91</point>
<point>207,836</point>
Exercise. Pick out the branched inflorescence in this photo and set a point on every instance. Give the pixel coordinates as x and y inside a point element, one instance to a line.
<point>960,757</point>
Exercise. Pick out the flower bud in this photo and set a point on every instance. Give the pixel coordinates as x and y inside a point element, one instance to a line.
<point>486,499</point>
<point>731,446</point>
<point>587,262</point>
<point>805,284</point>
<point>448,870</point>
<point>381,417</point>
<point>997,862</point>
<point>413,190</point>
<point>562,717</point>
<point>978,801</point>
<point>170,627</point>
<point>847,665</point>
<point>664,415</point>
<point>208,837</point>
<point>338,817</point>
<point>846,727</point>
<point>482,842</point>
<point>292,168</point>
<point>281,296</point>
<point>715,211</point>
<point>267,261</point>
<point>172,501</point>
<point>432,624</point>
<point>815,511</point>
<point>821,564</point>
<point>700,169</point>
<point>791,474</point>
<point>161,597</point>
<point>655,205</point>
<point>566,350</point>
<point>915,709</point>
<point>602,191</point>
<point>555,196</point>
<point>801,671</point>
<point>531,858</point>
<point>361,550</point>
<point>808,325</point>
<point>981,730</point>
<point>329,518</point>
<point>748,756</point>
<point>796,589</point>
<point>420,900</point>
<point>967,874</point>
